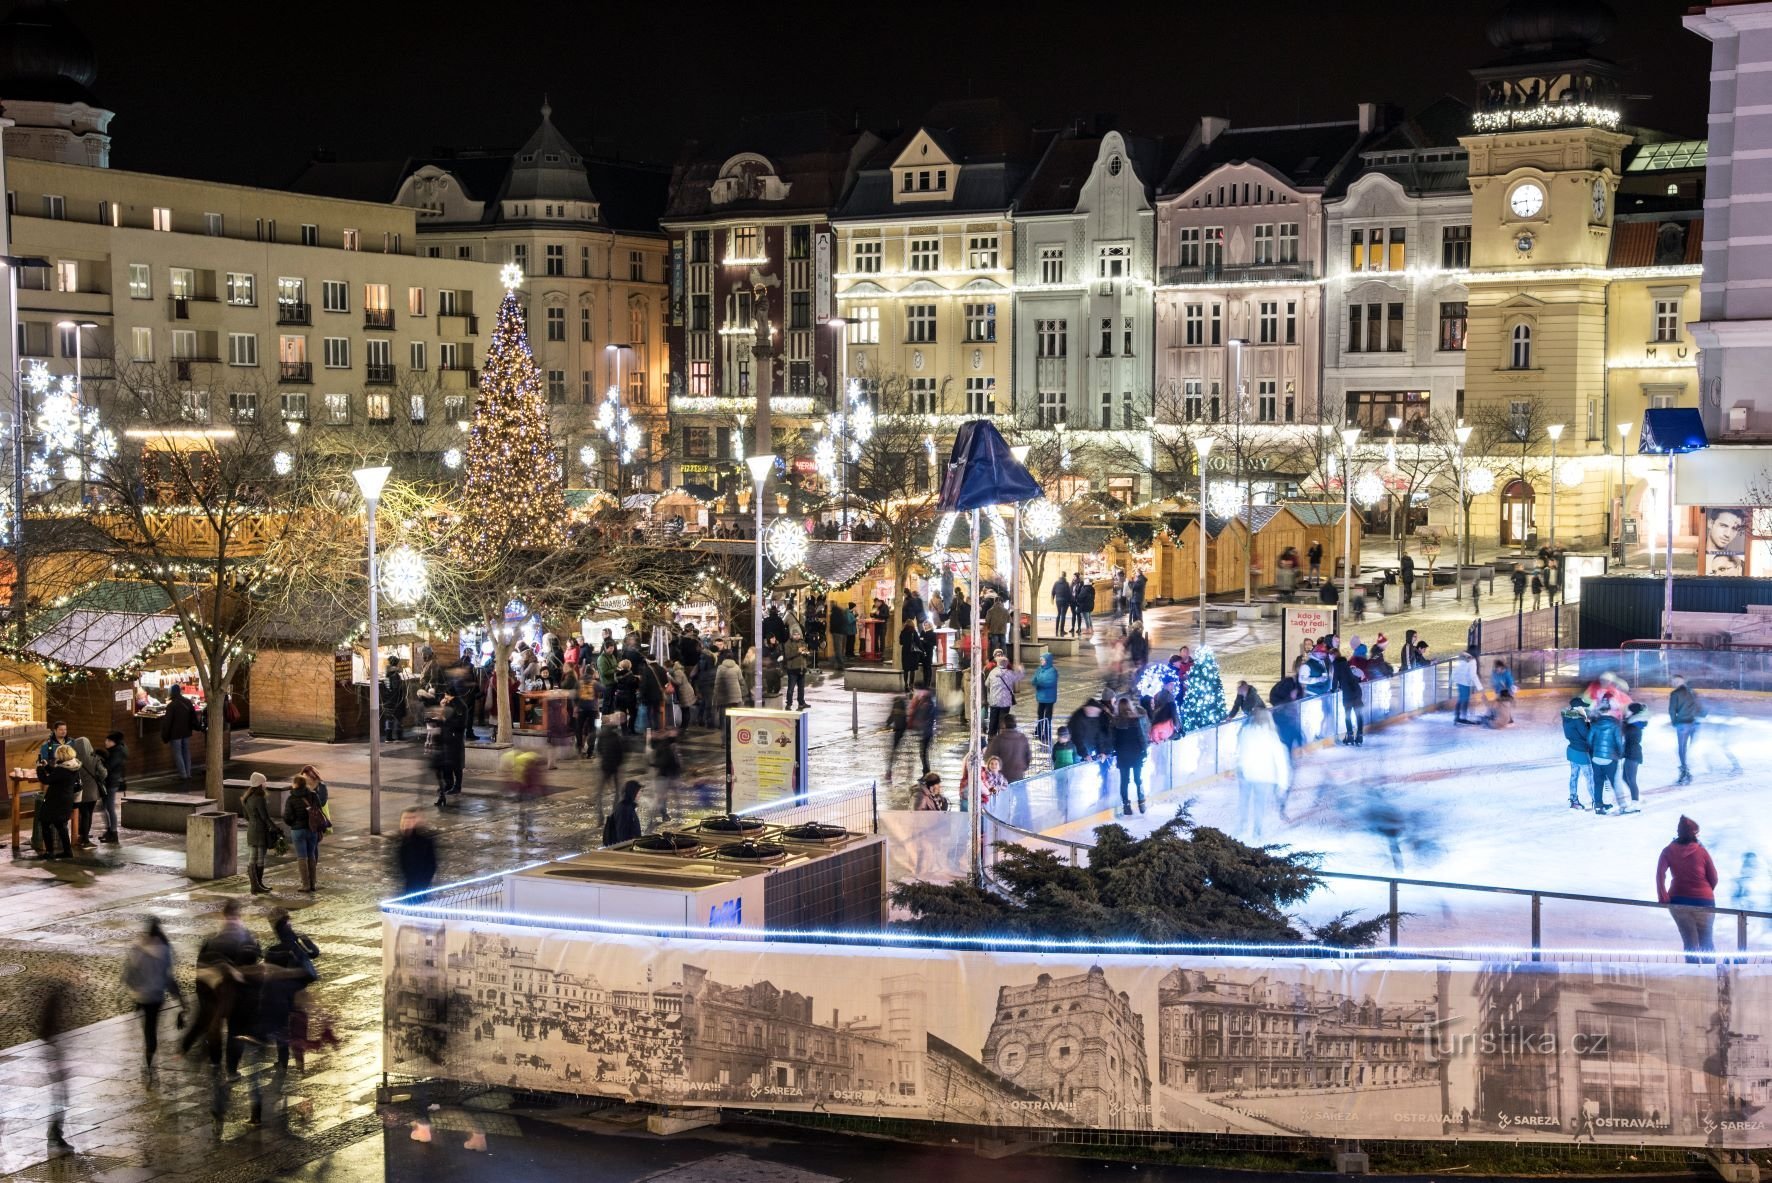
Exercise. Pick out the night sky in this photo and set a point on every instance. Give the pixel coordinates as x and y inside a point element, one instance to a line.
<point>245,92</point>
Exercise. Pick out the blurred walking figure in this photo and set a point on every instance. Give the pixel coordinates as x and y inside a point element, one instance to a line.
<point>51,1025</point>
<point>1264,771</point>
<point>1684,711</point>
<point>1686,881</point>
<point>148,976</point>
<point>1465,680</point>
<point>623,823</point>
<point>1129,748</point>
<point>1636,721</point>
<point>417,853</point>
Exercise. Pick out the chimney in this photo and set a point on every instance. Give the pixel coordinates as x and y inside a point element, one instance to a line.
<point>836,1017</point>
<point>1210,127</point>
<point>1371,117</point>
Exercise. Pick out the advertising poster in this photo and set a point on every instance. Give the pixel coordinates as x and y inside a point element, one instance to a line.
<point>1725,541</point>
<point>821,277</point>
<point>1300,626</point>
<point>768,754</point>
<point>1653,1053</point>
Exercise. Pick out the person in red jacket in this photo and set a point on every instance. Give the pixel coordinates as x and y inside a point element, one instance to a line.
<point>1686,881</point>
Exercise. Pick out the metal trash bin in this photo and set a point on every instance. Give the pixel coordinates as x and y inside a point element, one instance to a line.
<point>211,849</point>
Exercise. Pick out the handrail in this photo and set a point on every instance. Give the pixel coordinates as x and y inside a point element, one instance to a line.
<point>1729,647</point>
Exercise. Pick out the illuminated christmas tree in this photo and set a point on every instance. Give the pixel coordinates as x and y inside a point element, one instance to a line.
<point>1202,705</point>
<point>515,493</point>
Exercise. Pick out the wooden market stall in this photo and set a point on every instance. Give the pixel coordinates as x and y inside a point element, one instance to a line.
<point>1322,523</point>
<point>848,573</point>
<point>111,655</point>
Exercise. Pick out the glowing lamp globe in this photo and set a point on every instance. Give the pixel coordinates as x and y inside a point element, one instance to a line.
<point>283,463</point>
<point>1041,519</point>
<point>1572,473</point>
<point>452,458</point>
<point>1480,481</point>
<point>404,577</point>
<point>786,543</point>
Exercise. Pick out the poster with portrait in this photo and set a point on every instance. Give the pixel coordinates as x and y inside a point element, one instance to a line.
<point>1725,540</point>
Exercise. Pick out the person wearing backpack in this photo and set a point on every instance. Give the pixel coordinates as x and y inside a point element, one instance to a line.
<point>147,975</point>
<point>302,813</point>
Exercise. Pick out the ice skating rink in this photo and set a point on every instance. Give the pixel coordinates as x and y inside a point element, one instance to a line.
<point>1472,805</point>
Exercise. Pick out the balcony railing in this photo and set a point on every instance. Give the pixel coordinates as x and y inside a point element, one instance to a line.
<point>379,373</point>
<point>378,318</point>
<point>469,322</point>
<point>182,366</point>
<point>294,312</point>
<point>1254,273</point>
<point>295,371</point>
<point>180,306</point>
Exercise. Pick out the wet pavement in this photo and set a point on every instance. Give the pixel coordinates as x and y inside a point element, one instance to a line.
<point>76,919</point>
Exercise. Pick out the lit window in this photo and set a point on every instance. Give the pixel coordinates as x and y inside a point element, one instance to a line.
<point>140,284</point>
<point>350,240</point>
<point>744,243</point>
<point>141,344</point>
<point>243,406</point>
<point>981,322</point>
<point>162,218</point>
<point>338,408</point>
<point>864,325</point>
<point>415,301</point>
<point>240,289</point>
<point>981,253</point>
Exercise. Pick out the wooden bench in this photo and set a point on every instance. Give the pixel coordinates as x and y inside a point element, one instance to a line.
<point>162,813</point>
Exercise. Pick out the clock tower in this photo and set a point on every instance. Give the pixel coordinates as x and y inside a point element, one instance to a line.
<point>1545,160</point>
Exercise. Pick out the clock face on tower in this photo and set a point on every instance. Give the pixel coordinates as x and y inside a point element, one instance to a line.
<point>1526,201</point>
<point>1599,200</point>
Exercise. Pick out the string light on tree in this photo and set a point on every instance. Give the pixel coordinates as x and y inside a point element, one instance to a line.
<point>1202,705</point>
<point>786,542</point>
<point>1042,519</point>
<point>513,474</point>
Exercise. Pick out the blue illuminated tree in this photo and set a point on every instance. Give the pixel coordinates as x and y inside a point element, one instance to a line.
<point>1202,704</point>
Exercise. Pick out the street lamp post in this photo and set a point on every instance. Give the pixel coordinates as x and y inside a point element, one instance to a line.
<point>759,466</point>
<point>839,406</point>
<point>1623,483</point>
<point>1463,435</point>
<point>1020,452</point>
<point>1238,344</point>
<point>370,482</point>
<point>1349,437</point>
<point>1202,449</point>
<point>1555,431</point>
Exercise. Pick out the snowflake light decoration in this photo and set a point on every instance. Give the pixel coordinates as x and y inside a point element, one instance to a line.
<point>404,576</point>
<point>511,276</point>
<point>1224,499</point>
<point>71,468</point>
<point>284,463</point>
<point>1042,519</point>
<point>1368,490</point>
<point>824,456</point>
<point>452,458</point>
<point>59,419</point>
<point>1572,473</point>
<point>37,471</point>
<point>785,541</point>
<point>1480,481</point>
<point>587,456</point>
<point>103,445</point>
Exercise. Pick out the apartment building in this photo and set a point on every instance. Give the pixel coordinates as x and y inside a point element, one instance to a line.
<point>266,303</point>
<point>926,248</point>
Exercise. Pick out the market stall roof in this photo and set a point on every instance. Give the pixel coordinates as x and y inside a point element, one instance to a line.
<point>584,498</point>
<point>100,640</point>
<point>1316,513</point>
<point>1256,517</point>
<point>1081,540</point>
<point>833,564</point>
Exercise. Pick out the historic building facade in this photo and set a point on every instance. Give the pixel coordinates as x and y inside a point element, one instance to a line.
<point>1224,1035</point>
<point>1240,251</point>
<point>1074,1042</point>
<point>1395,300</point>
<point>752,258</point>
<point>1085,322</point>
<point>926,255</point>
<point>584,235</point>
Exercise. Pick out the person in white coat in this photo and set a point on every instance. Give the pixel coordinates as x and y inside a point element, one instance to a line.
<point>1264,772</point>
<point>1465,681</point>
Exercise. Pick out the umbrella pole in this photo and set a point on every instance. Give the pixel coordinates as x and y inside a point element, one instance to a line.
<point>975,700</point>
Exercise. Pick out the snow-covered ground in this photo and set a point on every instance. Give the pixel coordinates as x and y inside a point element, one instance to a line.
<point>1473,805</point>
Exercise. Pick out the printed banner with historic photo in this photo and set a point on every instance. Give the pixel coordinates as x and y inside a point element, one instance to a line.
<point>1675,1054</point>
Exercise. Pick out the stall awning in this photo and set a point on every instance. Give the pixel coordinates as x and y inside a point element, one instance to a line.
<point>97,640</point>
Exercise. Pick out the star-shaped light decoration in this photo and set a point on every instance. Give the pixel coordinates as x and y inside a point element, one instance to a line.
<point>511,276</point>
